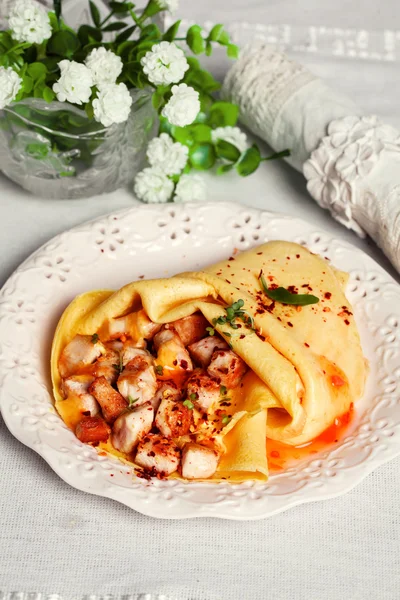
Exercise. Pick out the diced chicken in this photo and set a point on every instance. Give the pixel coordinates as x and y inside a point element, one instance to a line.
<point>203,350</point>
<point>80,352</point>
<point>107,366</point>
<point>136,325</point>
<point>173,419</point>
<point>167,389</point>
<point>228,367</point>
<point>131,427</point>
<point>171,352</point>
<point>158,454</point>
<point>76,388</point>
<point>198,462</point>
<point>115,345</point>
<point>130,351</point>
<point>202,389</point>
<point>111,402</point>
<point>190,329</point>
<point>138,380</point>
<point>92,430</point>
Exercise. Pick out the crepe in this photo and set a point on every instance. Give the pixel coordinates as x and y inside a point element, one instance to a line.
<point>306,365</point>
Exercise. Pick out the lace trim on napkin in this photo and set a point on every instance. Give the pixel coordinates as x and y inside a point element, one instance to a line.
<point>39,596</point>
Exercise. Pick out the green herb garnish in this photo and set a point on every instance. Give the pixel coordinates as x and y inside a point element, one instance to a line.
<point>132,401</point>
<point>211,330</point>
<point>95,338</point>
<point>225,419</point>
<point>283,295</point>
<point>223,390</point>
<point>119,367</point>
<point>188,404</point>
<point>234,311</point>
<point>193,396</point>
<point>159,370</point>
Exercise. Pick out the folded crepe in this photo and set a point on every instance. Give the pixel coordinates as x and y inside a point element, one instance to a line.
<point>305,363</point>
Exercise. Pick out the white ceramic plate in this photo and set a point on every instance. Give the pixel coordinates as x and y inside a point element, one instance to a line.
<point>159,241</point>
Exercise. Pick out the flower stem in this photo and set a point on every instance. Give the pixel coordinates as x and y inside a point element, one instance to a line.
<point>136,20</point>
<point>277,155</point>
<point>107,19</point>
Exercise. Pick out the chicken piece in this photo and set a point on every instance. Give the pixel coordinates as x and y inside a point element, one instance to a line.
<point>138,380</point>
<point>111,402</point>
<point>158,454</point>
<point>167,389</point>
<point>198,462</point>
<point>131,427</point>
<point>228,367</point>
<point>115,345</point>
<point>92,430</point>
<point>107,366</point>
<point>130,351</point>
<point>202,389</point>
<point>190,329</point>
<point>171,353</point>
<point>173,419</point>
<point>202,351</point>
<point>80,352</point>
<point>76,388</point>
<point>136,325</point>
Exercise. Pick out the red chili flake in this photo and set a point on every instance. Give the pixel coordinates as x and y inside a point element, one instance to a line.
<point>235,251</point>
<point>241,337</point>
<point>141,276</point>
<point>111,474</point>
<point>275,454</point>
<point>227,281</point>
<point>288,258</point>
<point>273,286</point>
<point>151,453</point>
<point>262,337</point>
<point>102,250</point>
<point>328,295</point>
<point>279,319</point>
<point>86,413</point>
<point>347,322</point>
<point>326,309</point>
<point>306,345</point>
<point>297,255</point>
<point>271,277</point>
<point>259,253</point>
<point>293,289</point>
<point>184,364</point>
<point>175,363</point>
<point>231,258</point>
<point>290,324</point>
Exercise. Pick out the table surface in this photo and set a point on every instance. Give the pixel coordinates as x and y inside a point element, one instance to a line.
<point>57,540</point>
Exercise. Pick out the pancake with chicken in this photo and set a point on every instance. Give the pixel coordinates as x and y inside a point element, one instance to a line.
<point>190,376</point>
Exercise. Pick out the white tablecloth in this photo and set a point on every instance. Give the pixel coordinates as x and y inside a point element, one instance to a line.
<point>55,540</point>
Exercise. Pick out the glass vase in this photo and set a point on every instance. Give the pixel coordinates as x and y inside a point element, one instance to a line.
<point>54,151</point>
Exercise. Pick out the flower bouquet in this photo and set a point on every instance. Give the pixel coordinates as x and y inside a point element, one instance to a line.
<point>78,108</point>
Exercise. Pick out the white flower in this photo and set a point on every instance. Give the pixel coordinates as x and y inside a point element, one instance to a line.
<point>171,5</point>
<point>171,157</point>
<point>183,106</point>
<point>233,135</point>
<point>104,65</point>
<point>190,188</point>
<point>358,159</point>
<point>10,83</point>
<point>113,104</point>
<point>29,22</point>
<point>74,84</point>
<point>165,63</point>
<point>152,185</point>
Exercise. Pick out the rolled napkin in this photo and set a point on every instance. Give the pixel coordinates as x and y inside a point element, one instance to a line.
<point>351,161</point>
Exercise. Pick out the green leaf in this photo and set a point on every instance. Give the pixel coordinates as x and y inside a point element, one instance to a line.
<point>182,135</point>
<point>227,150</point>
<point>151,9</point>
<point>94,13</point>
<point>48,94</point>
<point>51,63</point>
<point>195,40</point>
<point>37,70</point>
<point>283,295</point>
<point>209,49</point>
<point>170,34</point>
<point>202,156</point>
<point>27,83</point>
<point>248,162</point>
<point>63,43</point>
<point>121,7</point>
<point>88,34</point>
<point>232,51</point>
<point>222,169</point>
<point>150,32</point>
<point>37,149</point>
<point>57,8</point>
<point>6,40</point>
<point>53,21</point>
<point>216,32</point>
<point>200,132</point>
<point>125,35</point>
<point>223,114</point>
<point>165,126</point>
<point>89,110</point>
<point>117,26</point>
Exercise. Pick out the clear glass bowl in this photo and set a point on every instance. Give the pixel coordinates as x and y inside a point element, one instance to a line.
<point>54,151</point>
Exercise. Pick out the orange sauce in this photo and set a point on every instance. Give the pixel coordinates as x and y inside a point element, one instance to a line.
<point>282,456</point>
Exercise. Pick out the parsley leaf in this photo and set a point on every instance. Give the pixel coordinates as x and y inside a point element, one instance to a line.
<point>95,338</point>
<point>211,330</point>
<point>132,401</point>
<point>225,419</point>
<point>283,295</point>
<point>223,390</point>
<point>159,370</point>
<point>193,396</point>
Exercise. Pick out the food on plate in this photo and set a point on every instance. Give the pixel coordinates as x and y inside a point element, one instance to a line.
<point>197,375</point>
